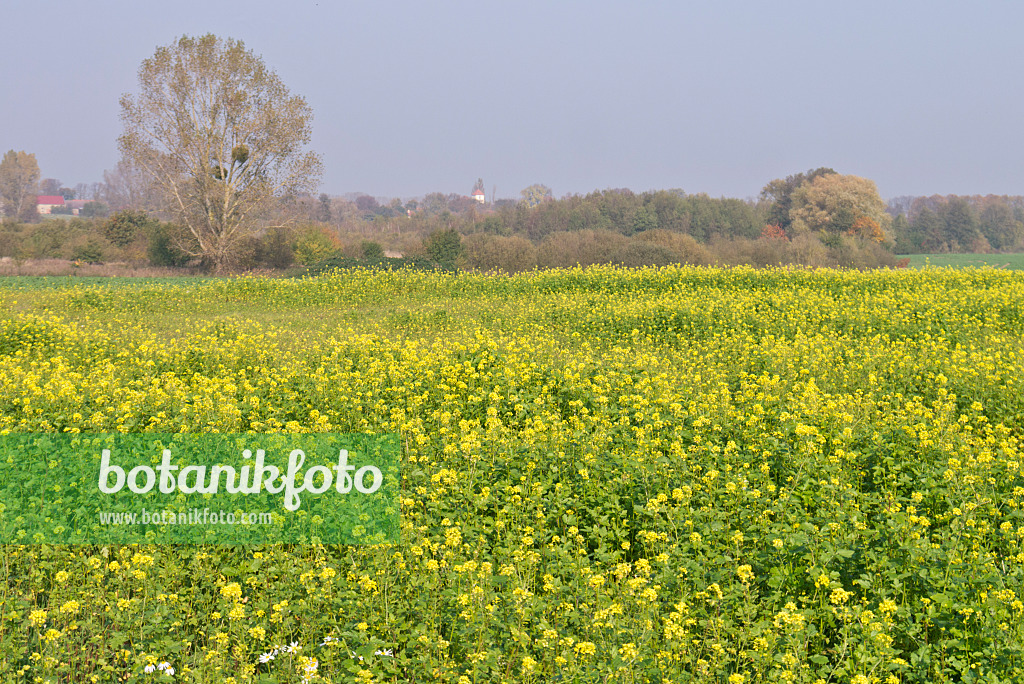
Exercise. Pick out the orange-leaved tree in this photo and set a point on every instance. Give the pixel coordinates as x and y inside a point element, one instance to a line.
<point>868,228</point>
<point>773,231</point>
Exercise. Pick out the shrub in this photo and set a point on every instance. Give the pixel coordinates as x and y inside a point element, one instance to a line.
<point>315,243</point>
<point>495,252</point>
<point>166,245</point>
<point>647,254</point>
<point>808,250</point>
<point>125,226</point>
<point>583,247</point>
<point>445,246</point>
<point>685,248</point>
<point>372,250</point>
<point>277,249</point>
<point>91,252</point>
<point>95,210</point>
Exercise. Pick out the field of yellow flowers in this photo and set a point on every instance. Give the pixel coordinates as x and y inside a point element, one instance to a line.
<point>659,475</point>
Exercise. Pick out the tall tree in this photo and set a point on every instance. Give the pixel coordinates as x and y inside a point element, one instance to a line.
<point>833,203</point>
<point>908,240</point>
<point>961,224</point>
<point>779,193</point>
<point>323,212</point>
<point>999,226</point>
<point>221,136</point>
<point>927,225</point>
<point>19,175</point>
<point>535,194</point>
<point>434,204</point>
<point>365,203</point>
<point>128,187</point>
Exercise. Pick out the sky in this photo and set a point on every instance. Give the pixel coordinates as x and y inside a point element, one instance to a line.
<point>416,97</point>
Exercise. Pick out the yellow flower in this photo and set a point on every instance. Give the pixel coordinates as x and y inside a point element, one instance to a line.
<point>142,559</point>
<point>231,591</point>
<point>888,606</point>
<point>628,651</point>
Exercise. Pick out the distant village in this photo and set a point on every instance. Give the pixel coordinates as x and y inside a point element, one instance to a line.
<point>56,204</point>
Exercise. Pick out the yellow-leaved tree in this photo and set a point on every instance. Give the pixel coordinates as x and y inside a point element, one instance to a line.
<point>836,204</point>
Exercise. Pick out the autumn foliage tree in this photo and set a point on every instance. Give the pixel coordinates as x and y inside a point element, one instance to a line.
<point>773,231</point>
<point>867,228</point>
<point>833,204</point>
<point>779,194</point>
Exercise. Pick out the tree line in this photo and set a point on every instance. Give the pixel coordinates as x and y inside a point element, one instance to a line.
<point>216,173</point>
<point>613,226</point>
<point>798,220</point>
<point>952,223</point>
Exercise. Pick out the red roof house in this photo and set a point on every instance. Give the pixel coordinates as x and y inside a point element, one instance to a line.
<point>44,203</point>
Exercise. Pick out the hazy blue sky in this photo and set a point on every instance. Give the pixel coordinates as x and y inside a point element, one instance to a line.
<point>415,97</point>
